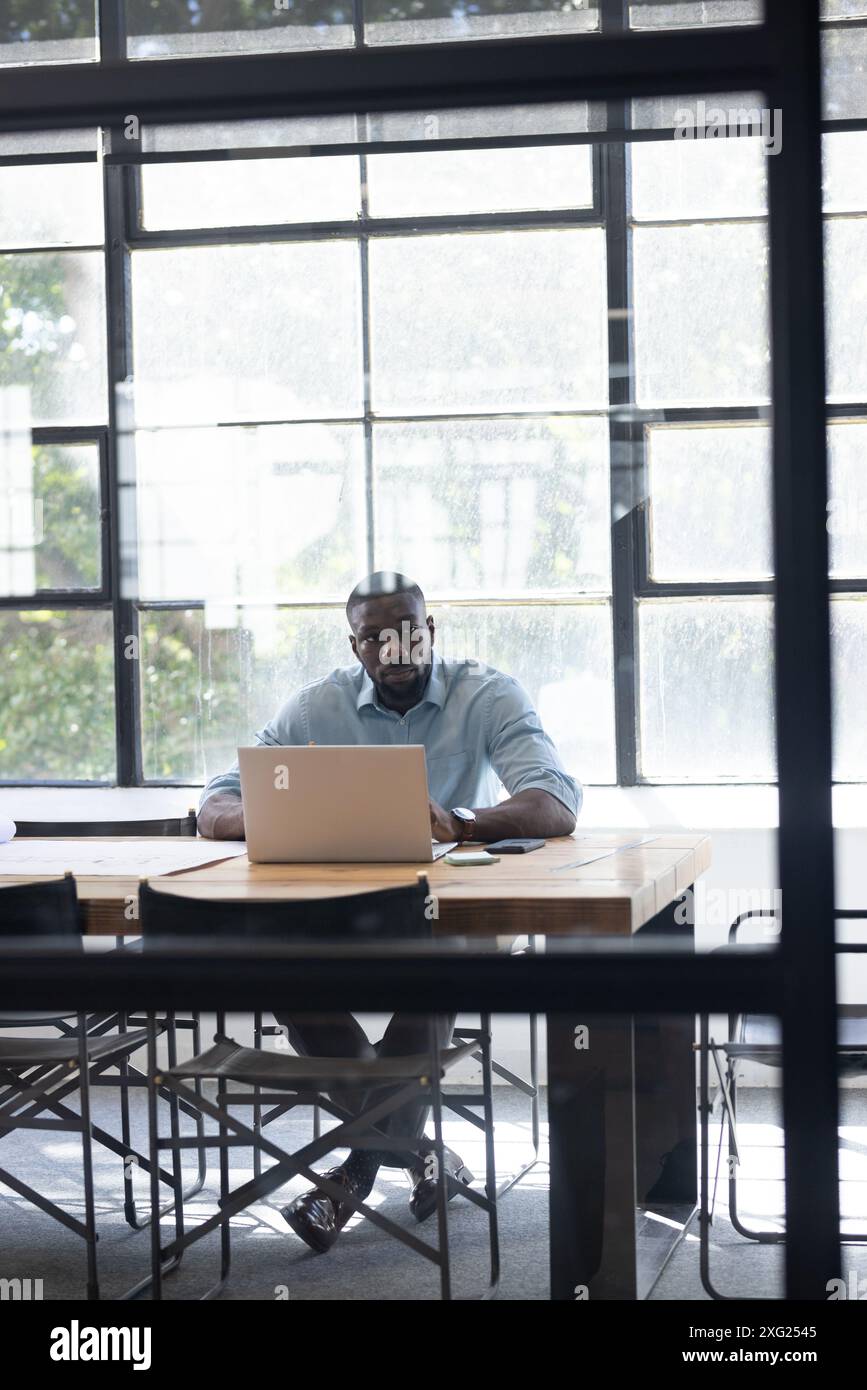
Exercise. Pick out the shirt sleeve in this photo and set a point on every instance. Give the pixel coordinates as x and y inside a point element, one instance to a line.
<point>288,727</point>
<point>521,753</point>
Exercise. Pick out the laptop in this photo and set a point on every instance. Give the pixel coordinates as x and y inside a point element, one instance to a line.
<point>337,804</point>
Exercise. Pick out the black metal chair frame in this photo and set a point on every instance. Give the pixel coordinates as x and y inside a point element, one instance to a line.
<point>130,1076</point>
<point>95,830</point>
<point>37,1075</point>
<point>297,1081</point>
<point>734,1050</point>
<point>455,1102</point>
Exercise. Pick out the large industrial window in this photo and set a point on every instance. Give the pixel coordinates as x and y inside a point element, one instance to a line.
<point>522,355</point>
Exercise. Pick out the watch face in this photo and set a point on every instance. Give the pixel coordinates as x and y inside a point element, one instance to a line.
<point>463,814</point>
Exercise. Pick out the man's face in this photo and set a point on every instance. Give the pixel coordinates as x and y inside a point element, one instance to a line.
<point>392,637</point>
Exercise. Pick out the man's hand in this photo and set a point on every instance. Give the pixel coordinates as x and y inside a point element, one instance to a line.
<point>222,817</point>
<point>443,826</point>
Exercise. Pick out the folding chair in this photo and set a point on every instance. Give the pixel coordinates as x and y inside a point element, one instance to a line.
<point>527,1087</point>
<point>756,1038</point>
<point>38,1074</point>
<point>129,1076</point>
<point>291,1081</point>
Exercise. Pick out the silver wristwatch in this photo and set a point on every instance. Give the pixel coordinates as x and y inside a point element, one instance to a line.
<point>466,822</point>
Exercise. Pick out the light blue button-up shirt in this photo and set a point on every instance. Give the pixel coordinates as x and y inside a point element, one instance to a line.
<point>479,730</point>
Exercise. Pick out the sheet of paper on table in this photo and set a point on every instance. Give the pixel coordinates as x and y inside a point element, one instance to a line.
<point>114,858</point>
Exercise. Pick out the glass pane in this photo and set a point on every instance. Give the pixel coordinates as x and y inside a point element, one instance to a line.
<point>691,14</point>
<point>487,328</point>
<point>711,501</point>
<point>849,647</point>
<point>454,181</point>
<point>677,180</point>
<point>57,695</point>
<point>706,690</point>
<point>247,192</point>
<point>348,128</point>
<point>846,282</point>
<point>563,657</point>
<point>51,204</point>
<point>211,677</point>
<point>48,142</point>
<point>844,51</point>
<point>52,334</point>
<point>847,510</point>
<point>49,516</point>
<point>508,505</point>
<point>215,28</point>
<point>263,332</point>
<point>270,513</point>
<point>701,314</point>
<point>670,113</point>
<point>481,122</point>
<point>710,513</point>
<point>845,171</point>
<point>291,132</point>
<point>843,9</point>
<point>433,21</point>
<point>32,31</point>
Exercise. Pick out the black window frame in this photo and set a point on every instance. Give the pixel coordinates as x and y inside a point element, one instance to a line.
<point>631,578</point>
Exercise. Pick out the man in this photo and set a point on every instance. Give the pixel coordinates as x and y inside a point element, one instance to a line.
<point>479,731</point>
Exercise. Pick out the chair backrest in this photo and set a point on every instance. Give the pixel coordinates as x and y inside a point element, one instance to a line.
<point>103,829</point>
<point>41,909</point>
<point>387,914</point>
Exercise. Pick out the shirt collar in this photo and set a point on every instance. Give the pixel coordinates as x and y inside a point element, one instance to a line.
<point>435,694</point>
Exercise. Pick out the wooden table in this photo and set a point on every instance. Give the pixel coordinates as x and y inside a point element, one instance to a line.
<point>621,1090</point>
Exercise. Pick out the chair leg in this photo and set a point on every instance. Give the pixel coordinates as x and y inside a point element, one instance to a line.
<point>87,1160</point>
<point>490,1156</point>
<point>201,1152</point>
<point>439,1151</point>
<point>704,1130</point>
<point>174,1113</point>
<point>225,1224</point>
<point>257,1091</point>
<point>535,1104</point>
<point>154,1155</point>
<point>140,1223</point>
<point>129,1207</point>
<point>760,1237</point>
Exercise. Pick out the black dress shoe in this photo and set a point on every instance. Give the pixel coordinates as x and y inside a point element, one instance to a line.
<point>317,1218</point>
<point>423,1201</point>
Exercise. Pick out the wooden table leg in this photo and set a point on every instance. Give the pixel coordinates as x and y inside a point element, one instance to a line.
<point>621,1097</point>
<point>591,1118</point>
<point>666,1097</point>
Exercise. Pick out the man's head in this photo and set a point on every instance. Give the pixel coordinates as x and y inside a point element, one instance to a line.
<point>392,636</point>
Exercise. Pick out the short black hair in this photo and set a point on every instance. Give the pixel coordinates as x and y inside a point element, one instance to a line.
<point>381,584</point>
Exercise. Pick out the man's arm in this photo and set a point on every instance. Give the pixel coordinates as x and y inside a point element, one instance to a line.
<point>544,799</point>
<point>533,814</point>
<point>222,817</point>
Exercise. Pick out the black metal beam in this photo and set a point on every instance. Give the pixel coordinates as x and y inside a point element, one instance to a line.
<point>607,980</point>
<point>559,68</point>
<point>364,227</point>
<point>803,657</point>
<point>112,15</point>
<point>625,487</point>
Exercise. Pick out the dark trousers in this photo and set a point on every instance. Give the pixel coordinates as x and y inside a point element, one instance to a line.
<point>341,1035</point>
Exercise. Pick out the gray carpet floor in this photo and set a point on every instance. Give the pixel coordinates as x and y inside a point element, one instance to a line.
<point>270,1262</point>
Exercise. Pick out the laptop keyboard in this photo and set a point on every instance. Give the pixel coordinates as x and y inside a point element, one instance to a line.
<point>440,849</point>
